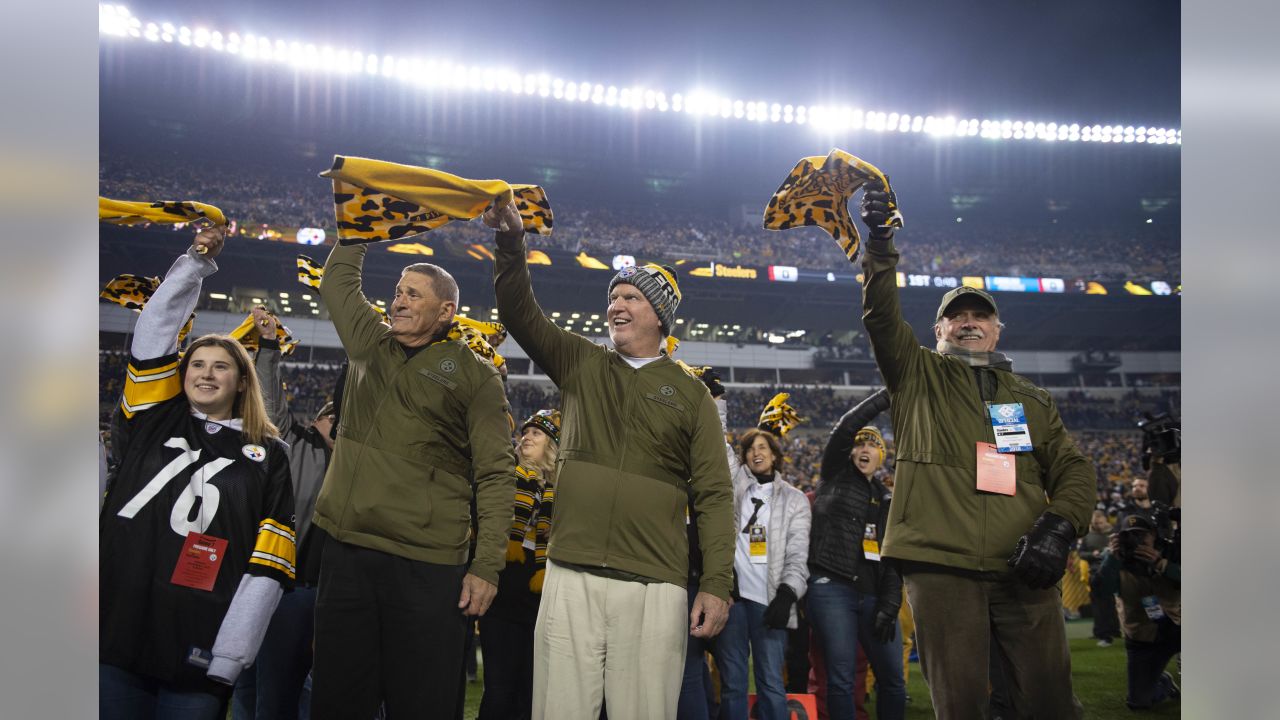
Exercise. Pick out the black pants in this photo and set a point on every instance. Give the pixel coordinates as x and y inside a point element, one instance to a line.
<point>388,630</point>
<point>508,669</point>
<point>1106,621</point>
<point>1146,663</point>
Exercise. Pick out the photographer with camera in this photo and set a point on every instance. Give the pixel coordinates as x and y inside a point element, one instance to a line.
<point>1142,568</point>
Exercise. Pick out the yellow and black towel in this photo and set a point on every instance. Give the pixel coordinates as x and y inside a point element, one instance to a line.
<point>375,200</point>
<point>778,417</point>
<point>248,334</point>
<point>133,292</point>
<point>817,192</point>
<point>495,333</point>
<point>310,272</point>
<point>124,212</point>
<point>476,341</point>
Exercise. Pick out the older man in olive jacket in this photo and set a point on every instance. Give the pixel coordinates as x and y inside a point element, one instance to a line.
<point>640,437</point>
<point>991,493</point>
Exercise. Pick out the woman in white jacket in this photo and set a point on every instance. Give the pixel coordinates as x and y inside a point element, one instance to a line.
<point>770,574</point>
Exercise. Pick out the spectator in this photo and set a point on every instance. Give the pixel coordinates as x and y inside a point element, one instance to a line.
<point>1033,483</point>
<point>423,429</point>
<point>176,628</point>
<point>638,432</point>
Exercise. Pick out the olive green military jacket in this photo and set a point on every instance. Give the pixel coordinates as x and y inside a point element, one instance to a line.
<point>413,433</point>
<point>937,514</point>
<point>632,443</point>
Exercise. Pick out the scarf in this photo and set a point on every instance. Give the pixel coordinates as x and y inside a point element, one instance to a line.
<point>817,192</point>
<point>133,292</point>
<point>975,358</point>
<point>532,497</point>
<point>375,200</point>
<point>169,212</point>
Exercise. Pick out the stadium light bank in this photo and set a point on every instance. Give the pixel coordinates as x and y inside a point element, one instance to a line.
<point>116,21</point>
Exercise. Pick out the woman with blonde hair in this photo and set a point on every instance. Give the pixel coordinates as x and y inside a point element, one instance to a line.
<point>506,630</point>
<point>196,537</point>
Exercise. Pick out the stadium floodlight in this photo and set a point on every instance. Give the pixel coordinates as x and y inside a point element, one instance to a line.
<point>116,21</point>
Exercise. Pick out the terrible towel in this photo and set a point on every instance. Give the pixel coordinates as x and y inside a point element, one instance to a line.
<point>123,212</point>
<point>495,333</point>
<point>375,200</point>
<point>309,272</point>
<point>778,417</point>
<point>133,292</point>
<point>476,341</point>
<point>248,334</point>
<point>817,192</point>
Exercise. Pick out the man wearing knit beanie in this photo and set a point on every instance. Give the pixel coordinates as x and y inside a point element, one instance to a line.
<point>641,450</point>
<point>657,285</point>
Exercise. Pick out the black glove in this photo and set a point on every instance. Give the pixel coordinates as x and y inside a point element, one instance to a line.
<point>779,611</point>
<point>711,379</point>
<point>886,625</point>
<point>875,210</point>
<point>1040,557</point>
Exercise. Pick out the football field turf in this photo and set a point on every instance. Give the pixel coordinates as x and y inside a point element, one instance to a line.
<point>1098,675</point>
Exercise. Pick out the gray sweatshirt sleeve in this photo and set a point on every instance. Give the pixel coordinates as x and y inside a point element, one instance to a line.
<point>267,363</point>
<point>156,332</point>
<point>722,409</point>
<point>243,628</point>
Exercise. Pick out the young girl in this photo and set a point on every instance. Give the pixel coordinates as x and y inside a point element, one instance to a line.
<point>196,536</point>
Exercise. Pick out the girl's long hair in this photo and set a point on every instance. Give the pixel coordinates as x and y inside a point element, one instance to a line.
<point>248,406</point>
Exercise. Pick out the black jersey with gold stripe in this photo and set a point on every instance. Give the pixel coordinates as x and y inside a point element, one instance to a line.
<point>177,474</point>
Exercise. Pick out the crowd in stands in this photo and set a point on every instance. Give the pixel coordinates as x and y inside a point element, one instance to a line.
<point>310,386</point>
<point>1104,427</point>
<point>287,201</point>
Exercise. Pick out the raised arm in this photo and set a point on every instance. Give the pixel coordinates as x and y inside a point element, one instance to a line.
<point>359,326</point>
<point>156,332</point>
<point>895,344</point>
<point>711,379</point>
<point>840,442</point>
<point>553,349</point>
<point>267,363</point>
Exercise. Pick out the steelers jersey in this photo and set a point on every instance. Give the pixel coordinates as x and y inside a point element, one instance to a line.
<point>178,474</point>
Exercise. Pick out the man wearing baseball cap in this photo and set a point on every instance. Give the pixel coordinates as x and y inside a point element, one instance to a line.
<point>990,495</point>
<point>639,439</point>
<point>1147,577</point>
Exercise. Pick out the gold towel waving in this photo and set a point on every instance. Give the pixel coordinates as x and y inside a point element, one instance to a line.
<point>133,291</point>
<point>169,212</point>
<point>375,200</point>
<point>817,192</point>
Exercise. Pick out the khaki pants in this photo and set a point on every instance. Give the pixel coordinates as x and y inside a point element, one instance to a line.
<point>958,616</point>
<point>599,638</point>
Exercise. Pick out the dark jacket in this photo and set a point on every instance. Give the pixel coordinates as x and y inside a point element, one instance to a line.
<point>844,503</point>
